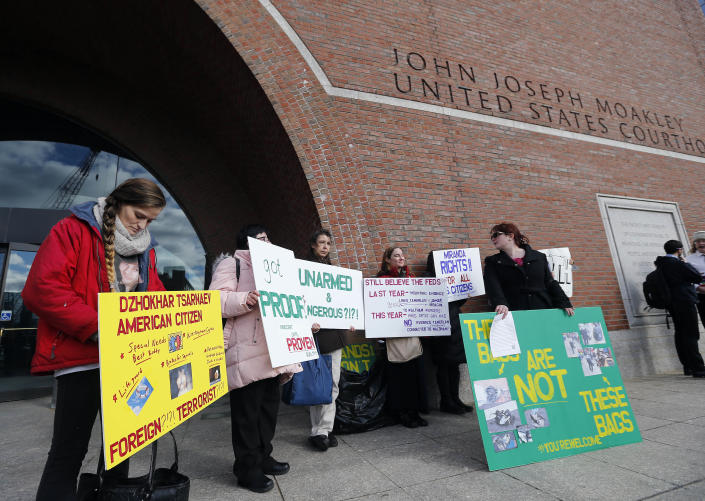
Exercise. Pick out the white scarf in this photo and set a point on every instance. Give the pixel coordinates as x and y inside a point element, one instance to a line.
<point>125,244</point>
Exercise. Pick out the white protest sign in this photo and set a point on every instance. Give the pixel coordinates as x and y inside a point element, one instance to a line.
<point>332,295</point>
<point>462,270</point>
<point>559,263</point>
<point>281,304</point>
<point>405,307</point>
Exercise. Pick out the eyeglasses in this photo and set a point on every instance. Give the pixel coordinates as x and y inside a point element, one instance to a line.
<point>496,234</point>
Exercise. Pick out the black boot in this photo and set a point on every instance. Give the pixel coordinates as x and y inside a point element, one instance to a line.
<point>271,466</point>
<point>409,419</point>
<point>253,479</point>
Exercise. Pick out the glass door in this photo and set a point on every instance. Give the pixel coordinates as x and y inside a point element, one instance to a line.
<point>18,328</point>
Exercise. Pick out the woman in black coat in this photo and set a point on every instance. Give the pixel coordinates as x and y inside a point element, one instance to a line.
<point>518,277</point>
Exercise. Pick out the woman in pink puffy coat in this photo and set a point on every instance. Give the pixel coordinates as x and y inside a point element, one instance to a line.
<point>253,382</point>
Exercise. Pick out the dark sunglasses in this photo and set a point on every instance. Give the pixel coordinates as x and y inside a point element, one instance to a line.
<point>496,234</point>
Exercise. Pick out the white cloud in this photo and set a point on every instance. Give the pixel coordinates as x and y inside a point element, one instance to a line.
<point>31,170</point>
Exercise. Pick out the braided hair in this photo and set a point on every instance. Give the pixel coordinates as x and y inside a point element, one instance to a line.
<point>137,192</point>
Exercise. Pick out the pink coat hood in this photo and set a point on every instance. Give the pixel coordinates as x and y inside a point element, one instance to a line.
<point>246,353</point>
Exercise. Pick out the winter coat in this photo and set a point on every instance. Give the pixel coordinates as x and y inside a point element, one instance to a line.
<point>246,354</point>
<point>527,287</point>
<point>449,349</point>
<point>62,289</point>
<point>680,278</point>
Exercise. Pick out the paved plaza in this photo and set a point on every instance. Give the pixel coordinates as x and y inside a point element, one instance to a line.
<point>443,461</point>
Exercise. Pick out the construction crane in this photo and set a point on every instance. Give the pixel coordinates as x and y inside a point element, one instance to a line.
<point>62,197</point>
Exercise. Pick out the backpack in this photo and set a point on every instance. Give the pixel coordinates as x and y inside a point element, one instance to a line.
<point>656,290</point>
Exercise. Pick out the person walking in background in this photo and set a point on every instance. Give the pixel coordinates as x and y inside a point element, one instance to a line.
<point>81,257</point>
<point>329,341</point>
<point>447,353</point>
<point>680,278</point>
<point>518,277</point>
<point>406,390</point>
<point>252,381</point>
<point>697,259</point>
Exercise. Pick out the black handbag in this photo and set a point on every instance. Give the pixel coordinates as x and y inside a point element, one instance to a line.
<point>159,484</point>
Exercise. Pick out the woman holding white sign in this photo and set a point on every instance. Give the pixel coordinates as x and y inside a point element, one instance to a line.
<point>329,341</point>
<point>252,381</point>
<point>518,277</point>
<point>406,390</point>
<point>103,246</point>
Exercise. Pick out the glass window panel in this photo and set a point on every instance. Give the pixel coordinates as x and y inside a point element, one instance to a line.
<point>18,267</point>
<point>18,340</point>
<point>100,178</point>
<point>34,172</point>
<point>3,253</point>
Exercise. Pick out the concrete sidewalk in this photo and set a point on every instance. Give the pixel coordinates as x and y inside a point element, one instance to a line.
<point>442,461</point>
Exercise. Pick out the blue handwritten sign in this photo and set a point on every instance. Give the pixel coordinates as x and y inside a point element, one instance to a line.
<point>462,270</point>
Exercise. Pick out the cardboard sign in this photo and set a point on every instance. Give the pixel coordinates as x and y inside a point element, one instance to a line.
<point>161,362</point>
<point>281,303</point>
<point>405,307</point>
<point>559,262</point>
<point>358,357</point>
<point>332,295</point>
<point>462,270</point>
<point>562,395</point>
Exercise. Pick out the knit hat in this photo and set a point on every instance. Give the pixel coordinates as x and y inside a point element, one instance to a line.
<point>698,235</point>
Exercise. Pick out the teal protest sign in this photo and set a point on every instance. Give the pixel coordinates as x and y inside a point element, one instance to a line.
<point>562,395</point>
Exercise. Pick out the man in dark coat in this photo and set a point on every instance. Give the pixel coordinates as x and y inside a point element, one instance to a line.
<point>681,278</point>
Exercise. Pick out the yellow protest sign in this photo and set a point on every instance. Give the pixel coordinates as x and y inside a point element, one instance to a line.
<point>161,361</point>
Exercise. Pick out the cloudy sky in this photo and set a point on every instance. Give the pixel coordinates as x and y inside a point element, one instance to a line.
<point>32,170</point>
<point>20,262</point>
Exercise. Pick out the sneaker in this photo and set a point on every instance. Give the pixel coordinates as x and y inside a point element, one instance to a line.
<point>319,442</point>
<point>271,466</point>
<point>332,441</point>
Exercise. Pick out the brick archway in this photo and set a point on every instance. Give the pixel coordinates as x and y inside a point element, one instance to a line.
<point>163,82</point>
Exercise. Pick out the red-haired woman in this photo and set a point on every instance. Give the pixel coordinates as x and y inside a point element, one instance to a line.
<point>406,390</point>
<point>518,277</point>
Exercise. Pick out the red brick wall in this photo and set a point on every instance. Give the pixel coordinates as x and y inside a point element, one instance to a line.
<point>215,98</point>
<point>383,174</point>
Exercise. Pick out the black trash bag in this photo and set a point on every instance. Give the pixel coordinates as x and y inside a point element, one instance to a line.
<point>360,403</point>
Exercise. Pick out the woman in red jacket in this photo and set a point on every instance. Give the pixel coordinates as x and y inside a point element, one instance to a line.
<point>103,246</point>
<point>406,386</point>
